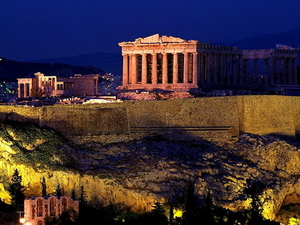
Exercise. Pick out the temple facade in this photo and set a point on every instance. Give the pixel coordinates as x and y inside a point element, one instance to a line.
<point>41,85</point>
<point>168,63</point>
<point>36,209</point>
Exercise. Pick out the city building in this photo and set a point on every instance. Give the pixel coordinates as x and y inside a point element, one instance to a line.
<point>173,64</point>
<point>36,209</point>
<point>41,85</point>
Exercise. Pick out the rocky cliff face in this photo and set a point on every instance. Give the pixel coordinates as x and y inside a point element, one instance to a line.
<point>139,173</point>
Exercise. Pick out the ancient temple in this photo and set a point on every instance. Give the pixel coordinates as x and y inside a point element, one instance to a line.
<point>42,85</point>
<point>169,63</point>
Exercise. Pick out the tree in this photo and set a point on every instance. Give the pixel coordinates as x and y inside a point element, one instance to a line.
<point>73,194</point>
<point>253,191</point>
<point>44,186</point>
<point>68,217</point>
<point>16,190</point>
<point>207,212</point>
<point>58,190</point>
<point>83,197</point>
<point>171,213</point>
<point>189,215</point>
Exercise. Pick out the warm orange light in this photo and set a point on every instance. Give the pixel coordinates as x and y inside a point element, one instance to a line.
<point>22,220</point>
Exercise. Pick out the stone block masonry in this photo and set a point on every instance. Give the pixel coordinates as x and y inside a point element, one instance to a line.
<point>180,119</point>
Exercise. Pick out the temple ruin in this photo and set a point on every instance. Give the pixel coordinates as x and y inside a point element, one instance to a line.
<point>173,64</point>
<point>42,85</point>
<point>36,209</point>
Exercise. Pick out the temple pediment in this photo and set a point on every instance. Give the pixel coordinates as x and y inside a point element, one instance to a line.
<point>159,39</point>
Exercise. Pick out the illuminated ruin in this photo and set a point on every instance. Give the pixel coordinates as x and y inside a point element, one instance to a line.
<point>36,209</point>
<point>173,64</point>
<point>41,85</point>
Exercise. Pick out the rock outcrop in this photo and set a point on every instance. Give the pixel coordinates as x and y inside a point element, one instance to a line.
<point>141,172</point>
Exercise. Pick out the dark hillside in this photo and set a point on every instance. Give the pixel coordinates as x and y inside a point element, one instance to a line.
<point>11,70</point>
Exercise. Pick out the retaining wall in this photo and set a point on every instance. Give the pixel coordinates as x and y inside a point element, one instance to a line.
<point>209,118</point>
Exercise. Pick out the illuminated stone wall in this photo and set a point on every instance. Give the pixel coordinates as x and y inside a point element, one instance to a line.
<point>268,114</point>
<point>202,117</point>
<point>36,209</point>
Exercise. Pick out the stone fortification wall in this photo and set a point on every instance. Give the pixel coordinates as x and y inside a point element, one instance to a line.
<point>217,117</point>
<point>269,114</point>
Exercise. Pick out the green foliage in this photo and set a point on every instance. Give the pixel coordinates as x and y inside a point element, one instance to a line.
<point>58,190</point>
<point>83,197</point>
<point>157,215</point>
<point>16,190</point>
<point>44,186</point>
<point>68,217</point>
<point>73,195</point>
<point>45,145</point>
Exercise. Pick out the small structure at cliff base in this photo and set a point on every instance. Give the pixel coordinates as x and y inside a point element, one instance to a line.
<point>36,209</point>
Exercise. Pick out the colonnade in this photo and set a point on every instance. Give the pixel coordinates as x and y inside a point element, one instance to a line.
<point>176,64</point>
<point>24,89</point>
<point>160,68</point>
<point>204,68</point>
<point>271,71</point>
<point>183,69</point>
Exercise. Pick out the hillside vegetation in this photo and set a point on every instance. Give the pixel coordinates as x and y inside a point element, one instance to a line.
<point>139,173</point>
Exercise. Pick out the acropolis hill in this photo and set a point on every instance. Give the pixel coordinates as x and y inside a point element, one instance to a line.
<point>136,153</point>
<point>208,118</point>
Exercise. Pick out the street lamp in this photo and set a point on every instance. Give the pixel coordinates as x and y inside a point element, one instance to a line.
<point>22,220</point>
<point>21,214</point>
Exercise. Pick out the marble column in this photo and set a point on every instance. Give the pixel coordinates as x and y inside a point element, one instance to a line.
<point>125,79</point>
<point>202,68</point>
<point>215,66</point>
<point>290,71</point>
<point>185,67</point>
<point>277,70</point>
<point>266,72</point>
<point>222,68</point>
<point>255,71</point>
<point>283,71</point>
<point>272,71</point>
<point>25,90</point>
<point>175,68</point>
<point>154,69</point>
<point>208,68</point>
<point>195,68</point>
<point>165,69</point>
<point>295,78</point>
<point>228,72</point>
<point>247,72</point>
<point>241,75</point>
<point>133,69</point>
<point>19,90</point>
<point>235,69</point>
<point>144,68</point>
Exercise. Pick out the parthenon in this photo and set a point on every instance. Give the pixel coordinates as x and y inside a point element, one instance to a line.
<point>169,63</point>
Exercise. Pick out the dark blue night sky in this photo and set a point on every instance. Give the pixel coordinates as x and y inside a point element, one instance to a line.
<point>37,29</point>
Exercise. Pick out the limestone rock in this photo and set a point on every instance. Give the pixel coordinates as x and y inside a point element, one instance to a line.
<point>139,173</point>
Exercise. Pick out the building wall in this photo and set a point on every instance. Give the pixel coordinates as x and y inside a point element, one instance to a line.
<point>36,209</point>
<point>53,86</point>
<point>216,117</point>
